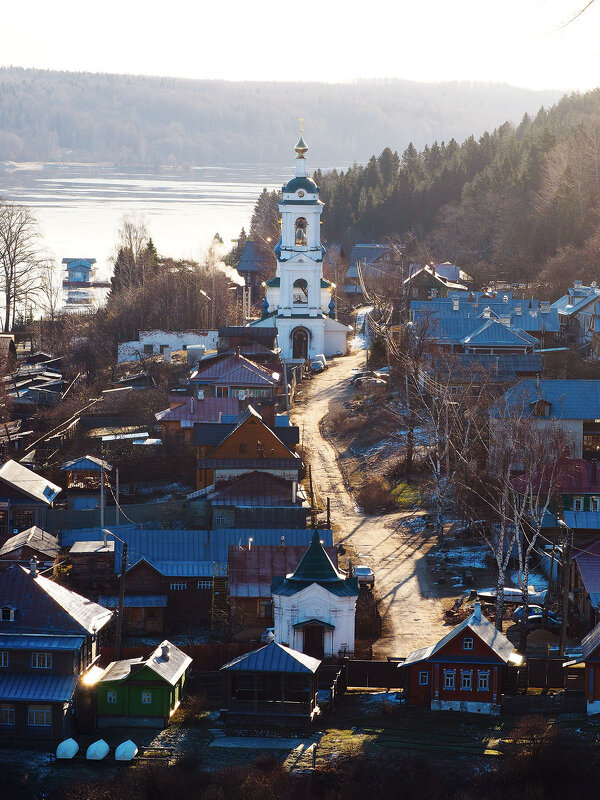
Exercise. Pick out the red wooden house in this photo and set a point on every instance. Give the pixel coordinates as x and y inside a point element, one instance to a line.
<point>590,648</point>
<point>464,671</point>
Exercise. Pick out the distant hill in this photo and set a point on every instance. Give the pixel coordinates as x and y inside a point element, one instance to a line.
<point>62,116</point>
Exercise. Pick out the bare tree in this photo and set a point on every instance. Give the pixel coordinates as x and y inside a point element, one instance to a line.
<point>19,258</point>
<point>50,289</point>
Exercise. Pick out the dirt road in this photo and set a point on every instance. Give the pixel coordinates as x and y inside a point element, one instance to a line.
<point>408,603</point>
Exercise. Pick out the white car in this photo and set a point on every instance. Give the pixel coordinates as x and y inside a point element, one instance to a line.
<point>364,574</point>
<point>268,636</point>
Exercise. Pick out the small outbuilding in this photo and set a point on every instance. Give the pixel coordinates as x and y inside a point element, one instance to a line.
<point>269,684</point>
<point>590,658</point>
<point>143,691</point>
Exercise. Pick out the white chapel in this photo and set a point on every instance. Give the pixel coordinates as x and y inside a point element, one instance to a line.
<point>298,300</point>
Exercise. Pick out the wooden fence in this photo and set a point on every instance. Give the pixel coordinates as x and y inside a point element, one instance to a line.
<point>563,703</point>
<point>373,674</point>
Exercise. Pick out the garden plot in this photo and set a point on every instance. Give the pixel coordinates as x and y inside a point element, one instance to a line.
<point>460,566</point>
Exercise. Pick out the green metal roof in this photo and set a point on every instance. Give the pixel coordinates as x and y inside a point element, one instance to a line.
<point>301,183</point>
<point>316,566</point>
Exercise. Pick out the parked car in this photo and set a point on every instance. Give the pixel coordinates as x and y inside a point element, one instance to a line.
<point>535,619</point>
<point>364,574</point>
<point>316,366</point>
<point>320,357</point>
<point>360,375</point>
<point>268,636</point>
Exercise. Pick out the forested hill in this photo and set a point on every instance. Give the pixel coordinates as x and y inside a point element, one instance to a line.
<point>50,116</point>
<point>521,203</point>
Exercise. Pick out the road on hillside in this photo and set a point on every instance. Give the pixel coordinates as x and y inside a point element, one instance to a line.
<point>410,609</point>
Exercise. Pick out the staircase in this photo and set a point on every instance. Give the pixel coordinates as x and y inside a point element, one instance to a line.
<point>219,611</point>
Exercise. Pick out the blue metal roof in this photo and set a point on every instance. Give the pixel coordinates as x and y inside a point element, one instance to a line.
<point>576,298</point>
<point>42,641</point>
<point>253,259</point>
<point>35,687</point>
<point>569,399</point>
<point>184,546</point>
<point>274,657</point>
<point>135,601</point>
<point>588,520</point>
<point>492,332</point>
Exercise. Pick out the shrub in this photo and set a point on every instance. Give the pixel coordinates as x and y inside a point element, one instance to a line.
<point>373,495</point>
<point>405,495</point>
<point>192,709</point>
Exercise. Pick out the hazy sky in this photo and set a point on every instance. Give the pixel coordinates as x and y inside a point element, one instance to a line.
<point>521,42</point>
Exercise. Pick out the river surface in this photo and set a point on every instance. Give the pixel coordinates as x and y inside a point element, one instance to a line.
<point>79,207</point>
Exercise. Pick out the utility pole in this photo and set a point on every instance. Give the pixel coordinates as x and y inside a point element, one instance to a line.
<point>287,393</point>
<point>117,498</point>
<point>101,494</point>
<point>119,633</point>
<point>566,574</point>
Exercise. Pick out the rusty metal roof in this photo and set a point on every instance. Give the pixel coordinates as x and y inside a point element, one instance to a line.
<point>251,571</point>
<point>208,410</point>
<point>256,489</point>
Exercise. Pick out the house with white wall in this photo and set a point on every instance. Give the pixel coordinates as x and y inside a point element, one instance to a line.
<point>159,342</point>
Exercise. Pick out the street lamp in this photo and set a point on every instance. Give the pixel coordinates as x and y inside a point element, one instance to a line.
<point>566,568</point>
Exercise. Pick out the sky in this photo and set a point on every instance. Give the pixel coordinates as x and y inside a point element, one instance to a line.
<point>520,42</point>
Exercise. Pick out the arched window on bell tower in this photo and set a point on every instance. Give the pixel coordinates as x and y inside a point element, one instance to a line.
<point>300,295</point>
<point>301,238</point>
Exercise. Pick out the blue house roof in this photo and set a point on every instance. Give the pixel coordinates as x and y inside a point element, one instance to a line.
<point>492,333</point>
<point>192,551</point>
<point>577,297</point>
<point>34,687</point>
<point>568,399</point>
<point>253,259</point>
<point>366,253</point>
<point>274,658</point>
<point>39,641</point>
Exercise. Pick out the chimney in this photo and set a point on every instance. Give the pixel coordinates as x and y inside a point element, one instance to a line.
<point>476,615</point>
<point>33,565</point>
<point>505,299</point>
<point>294,491</point>
<point>518,310</point>
<point>192,404</point>
<point>267,411</point>
<point>544,306</point>
<point>504,319</point>
<point>577,284</point>
<point>487,311</point>
<point>456,304</point>
<point>282,543</point>
<point>165,651</point>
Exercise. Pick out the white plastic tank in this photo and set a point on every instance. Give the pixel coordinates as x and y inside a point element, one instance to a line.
<point>126,751</point>
<point>97,750</point>
<point>67,749</point>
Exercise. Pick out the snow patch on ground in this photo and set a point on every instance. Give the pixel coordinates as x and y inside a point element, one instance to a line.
<point>536,579</point>
<point>261,742</point>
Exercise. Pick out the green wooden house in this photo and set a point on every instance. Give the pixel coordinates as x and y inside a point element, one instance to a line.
<point>143,691</point>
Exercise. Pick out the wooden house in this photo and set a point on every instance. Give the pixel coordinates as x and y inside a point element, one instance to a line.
<point>143,691</point>
<point>273,684</point>
<point>48,642</point>
<point>257,500</point>
<point>590,659</point>
<point>25,497</point>
<point>225,451</point>
<point>31,543</point>
<point>464,671</point>
<point>235,376</point>
<point>185,411</point>
<point>426,284</point>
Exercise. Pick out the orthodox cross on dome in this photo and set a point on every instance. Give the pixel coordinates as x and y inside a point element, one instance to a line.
<point>301,147</point>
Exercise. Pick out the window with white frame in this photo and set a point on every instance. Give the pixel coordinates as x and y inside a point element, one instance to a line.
<point>595,504</point>
<point>220,518</point>
<point>423,678</point>
<point>204,584</point>
<point>39,716</point>
<point>8,614</point>
<point>468,643</point>
<point>466,680</point>
<point>111,697</point>
<point>7,714</point>
<point>483,681</point>
<point>178,586</point>
<point>578,504</point>
<point>41,660</point>
<point>449,679</point>
<point>146,698</point>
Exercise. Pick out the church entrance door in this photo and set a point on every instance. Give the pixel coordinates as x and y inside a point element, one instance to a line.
<point>300,343</point>
<point>313,641</point>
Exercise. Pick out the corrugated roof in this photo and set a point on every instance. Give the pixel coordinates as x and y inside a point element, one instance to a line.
<point>36,687</point>
<point>274,657</point>
<point>236,370</point>
<point>27,481</point>
<point>569,398</point>
<point>582,520</point>
<point>293,462</point>
<point>493,333</point>
<point>253,259</point>
<point>251,571</point>
<point>208,410</point>
<point>591,642</point>
<point>86,464</point>
<point>41,641</point>
<point>43,606</point>
<point>256,489</point>
<point>36,538</point>
<point>367,253</point>
<point>576,299</point>
<point>135,601</point>
<point>170,667</point>
<point>160,545</point>
<point>480,626</point>
<point>588,564</point>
